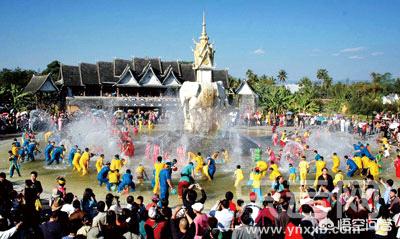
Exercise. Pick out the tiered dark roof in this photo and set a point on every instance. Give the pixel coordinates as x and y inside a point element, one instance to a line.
<point>37,82</point>
<point>70,76</point>
<point>89,74</point>
<point>110,72</point>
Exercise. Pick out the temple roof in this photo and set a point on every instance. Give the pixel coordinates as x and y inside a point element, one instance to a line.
<point>105,72</point>
<point>42,83</point>
<point>88,74</point>
<point>110,72</point>
<point>245,89</point>
<point>120,65</point>
<point>70,76</point>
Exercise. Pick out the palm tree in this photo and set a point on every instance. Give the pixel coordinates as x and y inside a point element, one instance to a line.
<point>322,74</point>
<point>282,76</point>
<point>305,82</point>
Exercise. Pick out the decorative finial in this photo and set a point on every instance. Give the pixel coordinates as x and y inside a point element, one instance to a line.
<point>204,32</point>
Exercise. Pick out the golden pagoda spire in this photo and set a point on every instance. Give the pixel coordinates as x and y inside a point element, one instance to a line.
<point>204,32</point>
<point>203,52</point>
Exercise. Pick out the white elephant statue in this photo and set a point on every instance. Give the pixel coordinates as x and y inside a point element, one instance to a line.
<point>201,103</point>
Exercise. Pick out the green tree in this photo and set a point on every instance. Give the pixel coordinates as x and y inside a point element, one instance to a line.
<point>282,76</point>
<point>53,68</point>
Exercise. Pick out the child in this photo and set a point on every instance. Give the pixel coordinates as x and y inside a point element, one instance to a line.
<point>292,173</point>
<point>141,174</point>
<point>113,179</point>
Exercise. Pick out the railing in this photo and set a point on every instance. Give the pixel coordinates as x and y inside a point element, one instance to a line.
<point>124,101</point>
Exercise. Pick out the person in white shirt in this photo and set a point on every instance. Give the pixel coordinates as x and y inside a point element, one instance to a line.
<point>100,218</point>
<point>67,207</point>
<point>222,213</point>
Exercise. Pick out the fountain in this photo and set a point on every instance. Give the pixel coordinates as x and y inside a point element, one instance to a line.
<point>203,101</point>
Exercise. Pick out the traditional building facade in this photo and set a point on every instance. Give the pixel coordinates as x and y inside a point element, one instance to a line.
<point>134,83</point>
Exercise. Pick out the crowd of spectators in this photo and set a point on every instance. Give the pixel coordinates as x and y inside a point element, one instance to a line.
<point>351,210</point>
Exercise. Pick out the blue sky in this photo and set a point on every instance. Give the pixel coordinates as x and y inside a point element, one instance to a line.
<point>350,38</point>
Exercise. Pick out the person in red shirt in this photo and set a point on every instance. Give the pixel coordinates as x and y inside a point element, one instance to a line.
<point>268,211</point>
<point>155,228</point>
<point>232,205</point>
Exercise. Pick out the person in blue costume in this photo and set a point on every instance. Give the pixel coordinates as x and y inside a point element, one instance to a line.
<point>351,166</point>
<point>211,167</point>
<point>57,154</point>
<point>18,144</point>
<point>47,151</point>
<point>317,156</point>
<point>165,181</point>
<point>127,181</point>
<point>32,147</point>
<point>357,149</point>
<point>25,139</point>
<point>364,150</point>
<point>71,154</point>
<point>102,175</point>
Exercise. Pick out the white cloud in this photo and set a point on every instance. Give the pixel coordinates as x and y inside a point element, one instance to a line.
<point>259,51</point>
<point>354,49</point>
<point>335,54</point>
<point>316,50</point>
<point>356,57</point>
<point>377,53</point>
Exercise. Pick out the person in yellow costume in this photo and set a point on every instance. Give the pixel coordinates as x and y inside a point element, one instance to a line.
<point>263,166</point>
<point>357,160</point>
<point>339,176</point>
<point>149,125</point>
<point>99,162</point>
<point>365,165</point>
<point>14,149</point>
<point>158,166</point>
<point>84,162</point>
<point>336,163</point>
<point>256,183</point>
<point>319,165</point>
<point>141,174</point>
<point>238,176</point>
<point>303,170</point>
<point>205,172</point>
<point>116,163</point>
<point>227,158</point>
<point>274,173</point>
<point>75,161</point>
<point>373,169</point>
<point>199,160</point>
<point>140,125</point>
<point>113,179</point>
